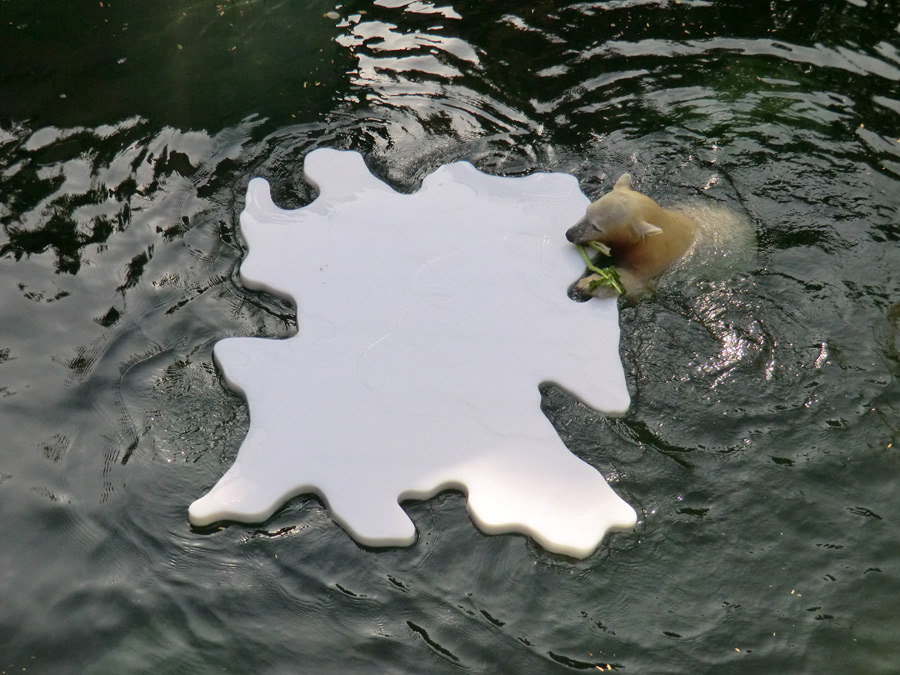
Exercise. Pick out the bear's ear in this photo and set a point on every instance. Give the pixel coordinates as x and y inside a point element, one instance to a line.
<point>644,229</point>
<point>624,182</point>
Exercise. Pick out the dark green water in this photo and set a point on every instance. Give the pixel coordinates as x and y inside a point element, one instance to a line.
<point>762,444</point>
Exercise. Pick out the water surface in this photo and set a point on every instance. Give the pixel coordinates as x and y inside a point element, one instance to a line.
<point>761,445</point>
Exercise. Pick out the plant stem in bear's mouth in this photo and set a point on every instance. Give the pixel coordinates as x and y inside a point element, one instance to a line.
<point>608,276</point>
<point>603,248</point>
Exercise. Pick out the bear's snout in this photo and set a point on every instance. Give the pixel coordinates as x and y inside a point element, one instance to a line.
<point>578,233</point>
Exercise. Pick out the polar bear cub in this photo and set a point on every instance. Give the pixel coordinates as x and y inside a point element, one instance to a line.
<point>645,238</point>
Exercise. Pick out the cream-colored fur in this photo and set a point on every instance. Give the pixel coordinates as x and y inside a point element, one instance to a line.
<point>645,238</point>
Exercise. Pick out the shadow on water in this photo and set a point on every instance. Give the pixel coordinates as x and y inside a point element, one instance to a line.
<point>763,434</point>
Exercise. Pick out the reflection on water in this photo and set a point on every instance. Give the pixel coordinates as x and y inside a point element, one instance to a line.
<point>761,441</point>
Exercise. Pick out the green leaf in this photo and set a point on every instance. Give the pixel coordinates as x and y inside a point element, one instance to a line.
<point>608,276</point>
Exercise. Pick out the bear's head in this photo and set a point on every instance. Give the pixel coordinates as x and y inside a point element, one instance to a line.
<point>618,219</point>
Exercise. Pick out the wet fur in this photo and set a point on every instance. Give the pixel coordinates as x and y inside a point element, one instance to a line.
<point>645,238</point>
